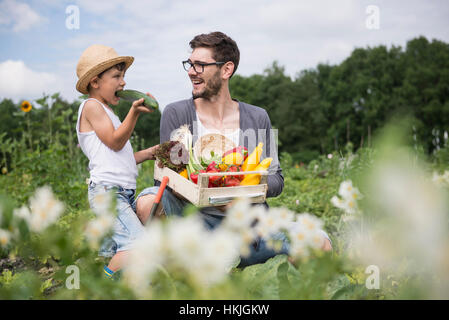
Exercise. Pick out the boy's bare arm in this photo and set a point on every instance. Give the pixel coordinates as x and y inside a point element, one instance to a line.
<point>102,124</point>
<point>145,154</point>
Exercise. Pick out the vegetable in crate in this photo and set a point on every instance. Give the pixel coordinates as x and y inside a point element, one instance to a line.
<point>234,168</point>
<point>253,159</point>
<point>235,156</point>
<point>173,155</point>
<point>184,174</point>
<point>214,181</point>
<point>254,178</point>
<point>132,95</point>
<point>231,181</point>
<point>194,176</point>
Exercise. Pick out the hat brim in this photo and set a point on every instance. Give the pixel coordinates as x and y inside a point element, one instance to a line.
<point>83,82</point>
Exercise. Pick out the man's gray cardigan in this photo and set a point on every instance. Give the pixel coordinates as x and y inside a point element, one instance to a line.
<point>255,127</point>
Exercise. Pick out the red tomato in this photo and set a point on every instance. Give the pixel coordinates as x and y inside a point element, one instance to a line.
<point>215,180</point>
<point>231,181</point>
<point>236,169</point>
<point>194,176</point>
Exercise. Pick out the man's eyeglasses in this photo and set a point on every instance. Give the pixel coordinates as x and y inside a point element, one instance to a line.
<point>198,66</point>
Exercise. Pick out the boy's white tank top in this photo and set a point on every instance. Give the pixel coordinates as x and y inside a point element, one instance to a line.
<point>107,166</point>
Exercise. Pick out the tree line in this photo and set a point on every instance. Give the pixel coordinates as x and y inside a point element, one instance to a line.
<point>322,109</point>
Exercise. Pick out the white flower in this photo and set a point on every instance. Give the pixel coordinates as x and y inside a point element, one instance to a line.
<point>246,237</point>
<point>346,189</point>
<point>305,233</point>
<point>310,222</point>
<point>240,215</point>
<point>299,249</point>
<point>220,252</point>
<point>23,213</point>
<point>350,206</point>
<point>267,224</point>
<point>5,237</point>
<point>349,195</point>
<point>45,209</point>
<point>283,216</point>
<point>337,202</point>
<point>146,256</point>
<point>185,239</point>
<point>97,228</point>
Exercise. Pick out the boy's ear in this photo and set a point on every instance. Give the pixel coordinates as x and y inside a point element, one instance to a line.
<point>94,82</point>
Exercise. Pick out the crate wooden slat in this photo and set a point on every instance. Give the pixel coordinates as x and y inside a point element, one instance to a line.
<point>202,196</point>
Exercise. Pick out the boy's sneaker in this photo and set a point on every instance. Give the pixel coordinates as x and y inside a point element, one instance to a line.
<point>111,274</point>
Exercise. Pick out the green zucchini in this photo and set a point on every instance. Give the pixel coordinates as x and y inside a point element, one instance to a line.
<point>133,95</point>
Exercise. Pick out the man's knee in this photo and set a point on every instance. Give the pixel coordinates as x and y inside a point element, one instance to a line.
<point>144,204</point>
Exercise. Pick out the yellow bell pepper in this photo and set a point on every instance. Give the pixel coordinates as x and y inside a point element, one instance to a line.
<point>254,178</point>
<point>253,159</point>
<point>184,173</point>
<point>235,158</point>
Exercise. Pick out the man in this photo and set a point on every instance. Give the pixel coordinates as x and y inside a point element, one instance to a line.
<point>213,61</point>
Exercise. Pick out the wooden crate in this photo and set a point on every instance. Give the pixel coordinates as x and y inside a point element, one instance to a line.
<point>202,196</point>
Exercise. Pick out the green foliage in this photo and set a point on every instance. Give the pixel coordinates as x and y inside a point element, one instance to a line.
<point>41,260</point>
<point>324,108</point>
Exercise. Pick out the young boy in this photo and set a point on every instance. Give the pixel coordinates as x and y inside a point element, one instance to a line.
<point>105,142</point>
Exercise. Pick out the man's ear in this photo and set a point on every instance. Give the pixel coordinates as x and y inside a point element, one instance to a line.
<point>228,69</point>
<point>94,82</point>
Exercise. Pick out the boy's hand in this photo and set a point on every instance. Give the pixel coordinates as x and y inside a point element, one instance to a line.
<point>152,151</point>
<point>140,107</point>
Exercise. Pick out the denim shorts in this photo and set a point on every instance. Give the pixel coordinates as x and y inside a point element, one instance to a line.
<point>127,226</point>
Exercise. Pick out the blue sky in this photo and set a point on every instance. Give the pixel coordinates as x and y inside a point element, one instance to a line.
<point>39,53</point>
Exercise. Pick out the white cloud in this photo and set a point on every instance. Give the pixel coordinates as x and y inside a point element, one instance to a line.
<point>18,15</point>
<point>17,81</point>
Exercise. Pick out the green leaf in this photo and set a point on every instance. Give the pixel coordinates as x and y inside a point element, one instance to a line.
<point>45,285</point>
<point>261,280</point>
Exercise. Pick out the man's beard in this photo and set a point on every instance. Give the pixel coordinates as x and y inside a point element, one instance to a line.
<point>212,88</point>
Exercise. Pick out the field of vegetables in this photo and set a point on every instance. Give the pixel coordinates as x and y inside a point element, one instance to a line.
<point>385,209</point>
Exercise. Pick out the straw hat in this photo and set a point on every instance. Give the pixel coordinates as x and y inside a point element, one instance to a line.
<point>94,60</point>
